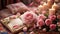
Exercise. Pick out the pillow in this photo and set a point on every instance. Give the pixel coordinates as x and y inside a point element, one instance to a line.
<point>17,7</point>
<point>5,13</point>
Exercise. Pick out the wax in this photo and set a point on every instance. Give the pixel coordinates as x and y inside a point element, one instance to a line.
<point>52,11</point>
<point>45,6</point>
<point>50,3</point>
<point>55,6</point>
<point>40,9</point>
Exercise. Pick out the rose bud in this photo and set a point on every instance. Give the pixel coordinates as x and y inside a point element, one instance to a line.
<point>40,22</point>
<point>25,29</point>
<point>28,17</point>
<point>48,22</point>
<point>41,16</point>
<point>32,32</point>
<point>53,26</point>
<point>58,16</point>
<point>52,17</point>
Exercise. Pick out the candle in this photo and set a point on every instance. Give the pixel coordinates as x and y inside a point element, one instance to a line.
<point>52,11</point>
<point>45,6</point>
<point>55,6</point>
<point>49,3</point>
<point>40,9</point>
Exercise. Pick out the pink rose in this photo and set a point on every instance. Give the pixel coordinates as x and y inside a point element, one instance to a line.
<point>48,22</point>
<point>52,17</point>
<point>40,22</point>
<point>41,16</point>
<point>28,17</point>
<point>53,26</point>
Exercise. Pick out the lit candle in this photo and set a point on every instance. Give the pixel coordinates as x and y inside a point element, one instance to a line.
<point>52,11</point>
<point>45,6</point>
<point>49,3</point>
<point>55,6</point>
<point>40,9</point>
